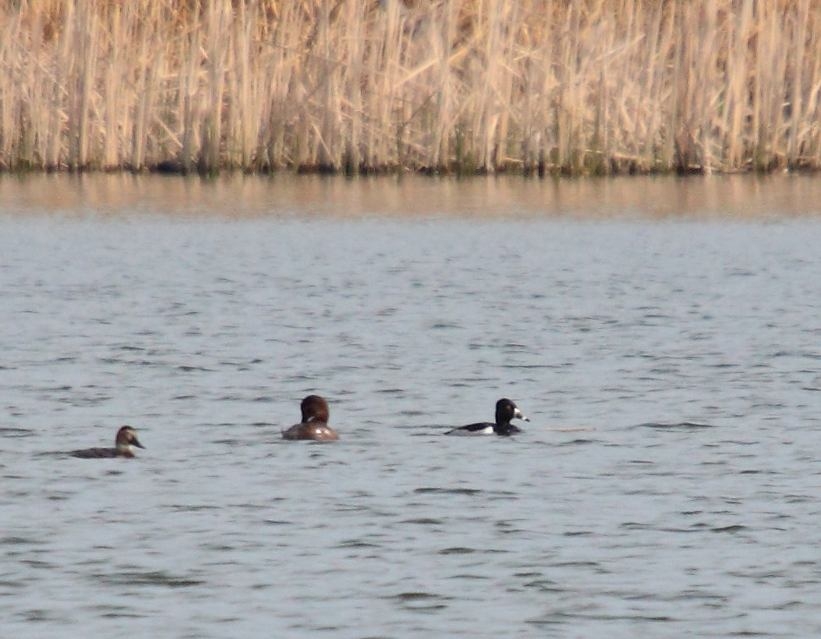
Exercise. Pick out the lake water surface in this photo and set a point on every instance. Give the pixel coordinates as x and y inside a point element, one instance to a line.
<point>662,334</point>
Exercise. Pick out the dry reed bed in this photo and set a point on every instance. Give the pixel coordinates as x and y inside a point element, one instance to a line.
<point>594,86</point>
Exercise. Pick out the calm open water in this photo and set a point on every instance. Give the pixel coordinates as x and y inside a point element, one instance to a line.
<point>663,335</point>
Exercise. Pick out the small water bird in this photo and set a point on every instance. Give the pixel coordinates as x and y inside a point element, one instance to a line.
<point>314,424</point>
<point>505,411</point>
<point>123,446</point>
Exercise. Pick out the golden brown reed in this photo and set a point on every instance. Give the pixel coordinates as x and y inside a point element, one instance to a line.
<point>562,86</point>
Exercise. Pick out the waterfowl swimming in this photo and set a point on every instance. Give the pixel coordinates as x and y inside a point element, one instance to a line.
<point>314,423</point>
<point>123,446</point>
<point>505,411</point>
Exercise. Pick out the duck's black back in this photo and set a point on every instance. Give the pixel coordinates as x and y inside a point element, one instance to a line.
<point>93,453</point>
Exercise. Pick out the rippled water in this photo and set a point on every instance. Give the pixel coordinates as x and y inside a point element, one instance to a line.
<point>663,336</point>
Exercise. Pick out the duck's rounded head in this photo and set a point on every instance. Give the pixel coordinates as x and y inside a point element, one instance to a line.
<point>314,408</point>
<point>507,410</point>
<point>126,438</point>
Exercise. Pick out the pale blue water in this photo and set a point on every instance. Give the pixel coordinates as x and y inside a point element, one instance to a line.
<point>662,335</point>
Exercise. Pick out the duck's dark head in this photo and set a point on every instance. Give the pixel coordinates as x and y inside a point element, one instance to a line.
<point>507,410</point>
<point>314,408</point>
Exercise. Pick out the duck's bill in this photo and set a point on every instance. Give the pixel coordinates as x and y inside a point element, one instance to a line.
<point>137,444</point>
<point>520,415</point>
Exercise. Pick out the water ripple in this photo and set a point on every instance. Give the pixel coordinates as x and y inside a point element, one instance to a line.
<point>665,487</point>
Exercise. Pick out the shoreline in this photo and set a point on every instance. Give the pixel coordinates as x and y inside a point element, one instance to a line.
<point>175,169</point>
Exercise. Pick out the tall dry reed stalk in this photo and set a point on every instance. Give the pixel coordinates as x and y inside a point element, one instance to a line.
<point>594,86</point>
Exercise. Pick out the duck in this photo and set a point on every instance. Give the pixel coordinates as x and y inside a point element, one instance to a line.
<point>314,424</point>
<point>505,411</point>
<point>124,444</point>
